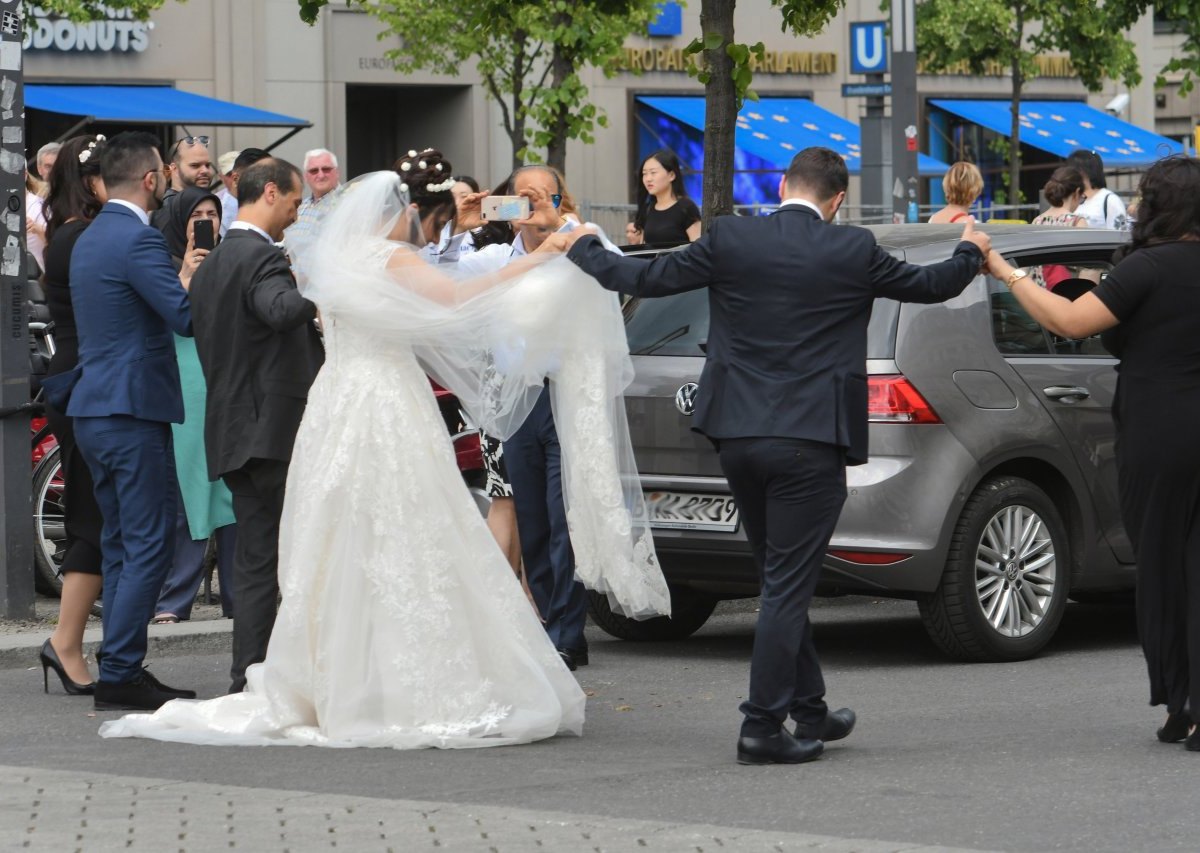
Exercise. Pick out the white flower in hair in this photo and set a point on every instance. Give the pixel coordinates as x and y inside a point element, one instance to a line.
<point>403,188</point>
<point>438,166</point>
<point>85,155</point>
<point>412,153</point>
<point>444,186</point>
<point>422,165</point>
<point>405,166</point>
<point>100,137</point>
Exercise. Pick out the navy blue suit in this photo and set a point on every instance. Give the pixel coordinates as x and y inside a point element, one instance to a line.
<point>784,396</point>
<point>124,394</point>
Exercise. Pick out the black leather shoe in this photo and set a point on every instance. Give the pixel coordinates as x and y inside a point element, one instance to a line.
<point>1192,744</point>
<point>578,656</point>
<point>837,725</point>
<point>1175,729</point>
<point>568,659</point>
<point>779,748</point>
<point>173,691</point>
<point>140,694</point>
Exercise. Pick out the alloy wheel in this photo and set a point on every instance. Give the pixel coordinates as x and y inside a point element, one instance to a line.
<point>1016,570</point>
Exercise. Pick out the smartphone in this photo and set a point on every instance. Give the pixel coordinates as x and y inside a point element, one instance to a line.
<point>202,234</point>
<point>504,208</point>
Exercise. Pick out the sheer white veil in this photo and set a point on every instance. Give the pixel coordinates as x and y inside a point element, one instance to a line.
<point>493,341</point>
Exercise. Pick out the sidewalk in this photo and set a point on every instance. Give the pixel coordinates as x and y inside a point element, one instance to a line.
<point>205,633</point>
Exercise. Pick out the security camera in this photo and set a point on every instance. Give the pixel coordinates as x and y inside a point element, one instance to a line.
<point>1118,104</point>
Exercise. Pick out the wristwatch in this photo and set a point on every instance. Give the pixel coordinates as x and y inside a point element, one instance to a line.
<point>1015,276</point>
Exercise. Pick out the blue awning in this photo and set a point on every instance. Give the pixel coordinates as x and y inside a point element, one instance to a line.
<point>150,105</point>
<point>1060,127</point>
<point>776,129</point>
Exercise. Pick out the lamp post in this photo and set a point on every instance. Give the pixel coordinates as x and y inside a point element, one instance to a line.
<point>905,136</point>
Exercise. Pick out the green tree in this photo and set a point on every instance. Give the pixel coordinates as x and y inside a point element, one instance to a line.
<point>1014,32</point>
<point>726,69</point>
<point>528,53</point>
<point>83,10</point>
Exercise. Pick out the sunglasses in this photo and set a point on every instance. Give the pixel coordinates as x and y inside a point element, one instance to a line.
<point>320,170</point>
<point>557,199</point>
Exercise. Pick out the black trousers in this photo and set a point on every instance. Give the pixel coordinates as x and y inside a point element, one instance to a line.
<point>257,489</point>
<point>789,494</point>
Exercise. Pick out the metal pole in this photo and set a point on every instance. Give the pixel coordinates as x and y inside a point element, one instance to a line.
<point>16,525</point>
<point>874,125</point>
<point>905,135</point>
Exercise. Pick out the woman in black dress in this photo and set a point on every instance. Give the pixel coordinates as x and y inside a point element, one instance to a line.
<point>1154,296</point>
<point>76,196</point>
<point>665,214</point>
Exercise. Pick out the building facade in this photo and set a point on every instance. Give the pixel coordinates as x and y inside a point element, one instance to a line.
<point>336,75</point>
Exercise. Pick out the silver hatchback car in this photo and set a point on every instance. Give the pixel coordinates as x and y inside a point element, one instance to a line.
<point>990,496</point>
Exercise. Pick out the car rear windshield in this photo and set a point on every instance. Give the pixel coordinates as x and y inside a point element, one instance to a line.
<point>678,325</point>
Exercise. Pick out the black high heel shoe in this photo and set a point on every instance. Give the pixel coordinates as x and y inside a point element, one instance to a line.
<point>50,661</point>
<point>1176,728</point>
<point>1192,744</point>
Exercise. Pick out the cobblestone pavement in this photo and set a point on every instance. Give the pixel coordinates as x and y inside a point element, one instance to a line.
<point>59,811</point>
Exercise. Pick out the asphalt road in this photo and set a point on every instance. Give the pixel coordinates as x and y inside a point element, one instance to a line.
<point>1056,753</point>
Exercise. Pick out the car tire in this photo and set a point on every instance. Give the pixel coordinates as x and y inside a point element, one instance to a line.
<point>690,609</point>
<point>49,533</point>
<point>1005,584</point>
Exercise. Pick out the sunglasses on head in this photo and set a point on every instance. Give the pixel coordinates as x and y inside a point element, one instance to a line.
<point>319,170</point>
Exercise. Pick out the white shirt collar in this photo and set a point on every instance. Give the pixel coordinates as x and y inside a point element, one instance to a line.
<point>802,202</point>
<point>518,244</point>
<point>243,225</point>
<point>141,214</point>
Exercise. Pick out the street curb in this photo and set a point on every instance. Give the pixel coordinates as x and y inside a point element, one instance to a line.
<point>19,651</point>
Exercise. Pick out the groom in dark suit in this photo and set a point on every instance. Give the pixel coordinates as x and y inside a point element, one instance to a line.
<point>783,395</point>
<point>260,353</point>
<point>124,396</point>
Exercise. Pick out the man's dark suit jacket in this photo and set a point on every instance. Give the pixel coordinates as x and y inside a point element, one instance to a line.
<point>790,297</point>
<point>258,348</point>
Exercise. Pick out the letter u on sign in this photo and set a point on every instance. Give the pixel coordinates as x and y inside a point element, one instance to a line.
<point>868,48</point>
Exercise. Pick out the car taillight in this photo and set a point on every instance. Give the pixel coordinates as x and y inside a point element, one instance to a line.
<point>468,451</point>
<point>870,558</point>
<point>894,400</point>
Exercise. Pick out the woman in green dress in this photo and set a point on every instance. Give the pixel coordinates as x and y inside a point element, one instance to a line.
<point>205,507</point>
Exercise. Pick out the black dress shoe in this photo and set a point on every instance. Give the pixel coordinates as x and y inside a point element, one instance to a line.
<point>579,657</point>
<point>140,694</point>
<point>1176,728</point>
<point>567,658</point>
<point>836,725</point>
<point>173,691</point>
<point>779,748</point>
<point>1192,744</point>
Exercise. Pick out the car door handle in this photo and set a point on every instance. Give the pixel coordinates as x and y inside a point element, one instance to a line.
<point>1067,393</point>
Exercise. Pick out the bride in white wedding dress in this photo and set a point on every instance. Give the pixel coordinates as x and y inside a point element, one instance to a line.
<point>401,623</point>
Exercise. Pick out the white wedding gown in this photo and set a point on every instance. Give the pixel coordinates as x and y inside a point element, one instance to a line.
<point>402,624</point>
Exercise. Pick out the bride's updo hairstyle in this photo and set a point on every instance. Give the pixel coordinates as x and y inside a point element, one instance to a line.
<point>428,178</point>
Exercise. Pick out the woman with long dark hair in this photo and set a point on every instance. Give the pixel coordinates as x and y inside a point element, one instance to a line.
<point>75,197</point>
<point>665,214</point>
<point>1152,297</point>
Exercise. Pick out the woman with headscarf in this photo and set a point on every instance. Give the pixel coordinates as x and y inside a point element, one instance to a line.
<point>205,507</point>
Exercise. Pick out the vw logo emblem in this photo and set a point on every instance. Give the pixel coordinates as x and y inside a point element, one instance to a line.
<point>685,398</point>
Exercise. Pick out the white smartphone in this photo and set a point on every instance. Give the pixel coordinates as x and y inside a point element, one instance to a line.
<point>504,208</point>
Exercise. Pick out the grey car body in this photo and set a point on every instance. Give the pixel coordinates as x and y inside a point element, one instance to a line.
<point>1024,440</point>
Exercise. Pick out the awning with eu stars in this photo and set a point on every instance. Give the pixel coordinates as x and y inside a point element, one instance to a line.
<point>150,105</point>
<point>1060,127</point>
<point>775,129</point>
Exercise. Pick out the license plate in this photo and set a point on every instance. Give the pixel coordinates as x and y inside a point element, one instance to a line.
<point>690,511</point>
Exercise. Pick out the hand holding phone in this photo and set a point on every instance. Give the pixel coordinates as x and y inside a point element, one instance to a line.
<point>203,235</point>
<point>504,208</point>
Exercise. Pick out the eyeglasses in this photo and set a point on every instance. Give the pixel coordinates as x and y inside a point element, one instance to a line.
<point>557,199</point>
<point>320,170</point>
<point>192,140</point>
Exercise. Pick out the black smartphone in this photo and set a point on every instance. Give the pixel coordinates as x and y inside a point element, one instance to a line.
<point>202,234</point>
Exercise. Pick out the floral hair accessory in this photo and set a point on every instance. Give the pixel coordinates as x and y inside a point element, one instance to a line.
<point>86,154</point>
<point>437,166</point>
<point>403,188</point>
<point>422,165</point>
<point>405,166</point>
<point>444,186</point>
<point>412,153</point>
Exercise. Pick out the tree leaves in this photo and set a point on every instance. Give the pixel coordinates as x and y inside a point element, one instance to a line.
<point>90,10</point>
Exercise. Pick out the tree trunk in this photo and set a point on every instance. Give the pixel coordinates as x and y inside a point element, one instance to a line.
<point>562,66</point>
<point>1014,137</point>
<point>720,111</point>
